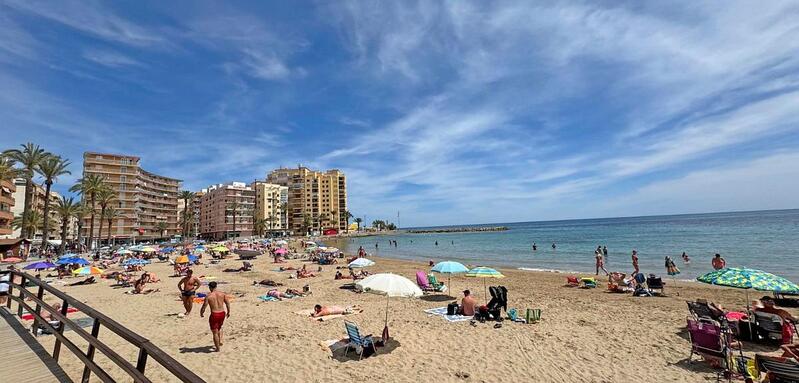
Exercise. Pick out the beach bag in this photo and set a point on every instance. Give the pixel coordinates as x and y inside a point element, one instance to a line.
<point>452,308</point>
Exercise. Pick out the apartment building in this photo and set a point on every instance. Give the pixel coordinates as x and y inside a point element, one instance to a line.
<point>16,194</point>
<point>316,200</point>
<point>269,202</point>
<point>145,200</point>
<point>7,204</point>
<point>227,211</point>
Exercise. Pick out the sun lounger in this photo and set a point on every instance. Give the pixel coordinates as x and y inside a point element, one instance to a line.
<point>357,340</point>
<point>701,309</point>
<point>769,327</point>
<point>779,369</point>
<point>424,283</point>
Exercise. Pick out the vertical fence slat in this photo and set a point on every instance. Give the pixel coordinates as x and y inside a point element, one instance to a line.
<point>40,295</point>
<point>21,295</point>
<point>60,329</point>
<point>90,351</point>
<point>141,363</point>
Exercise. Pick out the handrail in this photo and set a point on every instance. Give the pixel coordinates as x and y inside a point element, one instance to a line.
<point>146,348</point>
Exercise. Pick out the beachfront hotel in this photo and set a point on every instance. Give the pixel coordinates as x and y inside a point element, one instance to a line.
<point>144,199</point>
<point>226,211</point>
<point>316,200</point>
<point>7,203</point>
<point>270,200</point>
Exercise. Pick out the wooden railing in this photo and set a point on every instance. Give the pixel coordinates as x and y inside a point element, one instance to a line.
<point>147,350</point>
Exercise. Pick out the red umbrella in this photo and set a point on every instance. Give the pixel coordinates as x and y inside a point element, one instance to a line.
<point>12,260</point>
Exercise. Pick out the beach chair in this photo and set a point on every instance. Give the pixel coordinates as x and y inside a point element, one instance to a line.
<point>572,281</point>
<point>778,369</point>
<point>655,283</point>
<point>769,327</point>
<point>439,286</point>
<point>424,283</point>
<point>356,340</point>
<point>707,340</point>
<point>701,309</point>
<point>589,283</point>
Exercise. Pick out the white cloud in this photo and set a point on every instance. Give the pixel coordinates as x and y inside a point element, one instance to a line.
<point>110,59</point>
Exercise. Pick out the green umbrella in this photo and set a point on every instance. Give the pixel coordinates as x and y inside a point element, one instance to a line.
<point>484,272</point>
<point>744,278</point>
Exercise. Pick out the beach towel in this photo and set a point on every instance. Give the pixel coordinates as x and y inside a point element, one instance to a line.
<point>334,345</point>
<point>30,316</point>
<point>442,311</point>
<point>267,298</point>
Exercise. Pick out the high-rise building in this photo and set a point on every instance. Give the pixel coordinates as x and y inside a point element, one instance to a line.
<point>7,203</point>
<point>316,201</point>
<point>144,199</point>
<point>17,193</point>
<point>226,211</point>
<point>269,203</point>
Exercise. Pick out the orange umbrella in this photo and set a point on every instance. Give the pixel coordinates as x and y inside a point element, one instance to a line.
<point>182,259</point>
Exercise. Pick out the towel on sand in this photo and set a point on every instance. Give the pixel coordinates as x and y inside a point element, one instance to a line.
<point>267,298</point>
<point>442,311</point>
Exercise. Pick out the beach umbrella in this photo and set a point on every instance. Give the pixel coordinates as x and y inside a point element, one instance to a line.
<point>88,270</point>
<point>124,252</point>
<point>331,250</point>
<point>361,262</point>
<point>182,259</point>
<point>391,285</point>
<point>281,251</point>
<point>39,265</point>
<point>485,273</point>
<point>69,255</point>
<point>147,250</point>
<point>72,261</point>
<point>192,258</point>
<point>449,268</point>
<point>12,260</point>
<point>220,249</point>
<point>135,262</point>
<point>167,250</point>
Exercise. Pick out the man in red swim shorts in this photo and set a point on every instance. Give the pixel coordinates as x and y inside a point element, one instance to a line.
<point>219,303</point>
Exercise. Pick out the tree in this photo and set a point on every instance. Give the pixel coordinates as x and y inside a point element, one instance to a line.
<point>88,186</point>
<point>271,220</point>
<point>28,223</point>
<point>284,209</point>
<point>233,207</point>
<point>66,209</point>
<point>358,221</point>
<point>161,226</point>
<point>110,214</point>
<point>29,159</point>
<point>347,217</point>
<point>50,169</point>
<point>7,170</point>
<point>187,196</point>
<point>334,219</point>
<point>306,223</point>
<point>105,196</point>
<point>379,224</point>
<point>80,214</point>
<point>259,226</point>
<point>391,226</point>
<point>188,218</point>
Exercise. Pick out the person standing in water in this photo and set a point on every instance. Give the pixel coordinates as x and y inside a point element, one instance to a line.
<point>553,246</point>
<point>685,258</point>
<point>635,262</point>
<point>535,247</point>
<point>436,243</point>
<point>718,262</point>
<point>605,251</point>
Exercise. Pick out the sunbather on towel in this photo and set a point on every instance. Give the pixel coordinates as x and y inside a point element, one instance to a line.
<point>86,281</point>
<point>279,295</point>
<point>320,311</point>
<point>267,282</point>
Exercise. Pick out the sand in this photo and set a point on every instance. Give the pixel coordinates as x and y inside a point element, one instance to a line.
<point>585,335</point>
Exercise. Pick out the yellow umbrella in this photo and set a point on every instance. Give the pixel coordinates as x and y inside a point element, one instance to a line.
<point>182,259</point>
<point>147,249</point>
<point>484,272</point>
<point>88,270</point>
<point>220,249</point>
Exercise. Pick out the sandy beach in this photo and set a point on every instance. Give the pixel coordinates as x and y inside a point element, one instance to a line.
<point>586,335</point>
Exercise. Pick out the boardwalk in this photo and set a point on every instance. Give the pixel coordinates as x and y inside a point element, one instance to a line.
<point>22,358</point>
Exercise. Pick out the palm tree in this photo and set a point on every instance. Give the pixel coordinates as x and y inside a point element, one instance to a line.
<point>50,169</point>
<point>186,196</point>
<point>27,223</point>
<point>358,221</point>
<point>234,208</point>
<point>188,217</point>
<point>66,209</point>
<point>347,217</point>
<point>80,214</point>
<point>105,196</point>
<point>88,186</point>
<point>162,226</point>
<point>284,207</point>
<point>7,170</point>
<point>29,159</point>
<point>110,214</point>
<point>306,223</point>
<point>259,225</point>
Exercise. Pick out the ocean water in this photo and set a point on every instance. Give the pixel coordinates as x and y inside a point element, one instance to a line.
<point>765,240</point>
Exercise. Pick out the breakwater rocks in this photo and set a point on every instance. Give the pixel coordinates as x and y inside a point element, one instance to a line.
<point>459,229</point>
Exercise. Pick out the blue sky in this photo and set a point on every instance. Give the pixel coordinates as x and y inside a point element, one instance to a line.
<point>450,112</point>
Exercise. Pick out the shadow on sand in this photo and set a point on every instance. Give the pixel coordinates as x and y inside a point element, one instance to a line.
<point>197,350</point>
<point>339,348</point>
<point>437,298</point>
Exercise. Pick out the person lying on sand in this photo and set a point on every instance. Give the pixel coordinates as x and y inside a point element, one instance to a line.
<point>267,282</point>
<point>86,281</point>
<point>320,311</point>
<point>286,268</point>
<point>279,295</point>
<point>138,286</point>
<point>305,274</point>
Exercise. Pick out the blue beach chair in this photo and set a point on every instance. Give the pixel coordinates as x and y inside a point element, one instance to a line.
<point>356,340</point>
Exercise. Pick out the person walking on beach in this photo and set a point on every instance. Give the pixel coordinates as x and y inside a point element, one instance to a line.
<point>718,262</point>
<point>600,262</point>
<point>220,309</point>
<point>635,262</point>
<point>188,287</point>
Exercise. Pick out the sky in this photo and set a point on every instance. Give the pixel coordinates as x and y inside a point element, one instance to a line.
<point>447,112</point>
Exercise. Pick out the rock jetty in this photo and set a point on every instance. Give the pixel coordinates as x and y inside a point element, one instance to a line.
<point>459,229</point>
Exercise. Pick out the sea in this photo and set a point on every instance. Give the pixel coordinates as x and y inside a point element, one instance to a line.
<point>763,240</point>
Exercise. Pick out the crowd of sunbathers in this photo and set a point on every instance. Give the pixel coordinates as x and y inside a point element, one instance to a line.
<point>352,274</point>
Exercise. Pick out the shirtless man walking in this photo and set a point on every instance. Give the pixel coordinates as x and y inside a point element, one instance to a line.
<point>188,287</point>
<point>219,303</point>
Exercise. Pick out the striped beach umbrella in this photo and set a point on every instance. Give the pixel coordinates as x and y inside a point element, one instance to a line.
<point>744,278</point>
<point>88,270</point>
<point>485,273</point>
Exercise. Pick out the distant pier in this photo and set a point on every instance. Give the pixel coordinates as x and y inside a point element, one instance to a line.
<point>459,229</point>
